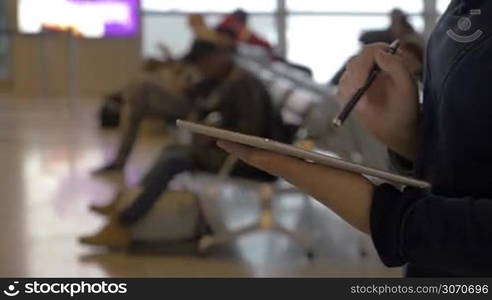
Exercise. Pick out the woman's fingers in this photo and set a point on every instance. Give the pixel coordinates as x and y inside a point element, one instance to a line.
<point>241,152</point>
<point>362,65</point>
<point>357,70</point>
<point>271,162</point>
<point>393,65</point>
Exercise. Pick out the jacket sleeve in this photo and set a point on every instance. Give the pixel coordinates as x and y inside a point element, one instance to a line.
<point>415,226</point>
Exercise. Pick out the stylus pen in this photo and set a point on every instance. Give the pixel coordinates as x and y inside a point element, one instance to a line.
<point>347,109</point>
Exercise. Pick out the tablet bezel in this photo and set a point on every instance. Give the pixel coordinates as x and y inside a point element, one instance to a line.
<point>310,156</point>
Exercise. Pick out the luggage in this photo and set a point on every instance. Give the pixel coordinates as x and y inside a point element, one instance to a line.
<point>110,112</point>
<point>175,217</point>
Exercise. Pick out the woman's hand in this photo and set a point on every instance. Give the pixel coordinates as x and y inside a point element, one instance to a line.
<point>389,109</point>
<point>347,194</point>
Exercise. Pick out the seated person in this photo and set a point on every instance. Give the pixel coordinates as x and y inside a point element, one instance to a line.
<point>159,93</point>
<point>237,24</point>
<point>400,28</point>
<point>240,102</point>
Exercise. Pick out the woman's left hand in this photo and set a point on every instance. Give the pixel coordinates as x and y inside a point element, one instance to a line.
<point>346,193</point>
<point>270,162</point>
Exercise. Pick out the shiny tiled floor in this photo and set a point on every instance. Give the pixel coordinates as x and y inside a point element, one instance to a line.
<point>48,148</point>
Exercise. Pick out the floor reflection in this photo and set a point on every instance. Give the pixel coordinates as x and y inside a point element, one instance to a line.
<point>48,151</point>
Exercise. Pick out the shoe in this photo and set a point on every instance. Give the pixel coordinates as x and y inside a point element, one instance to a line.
<point>113,235</point>
<point>106,210</point>
<point>108,169</point>
<point>109,209</point>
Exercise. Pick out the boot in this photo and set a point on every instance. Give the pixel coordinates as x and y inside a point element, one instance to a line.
<point>113,235</point>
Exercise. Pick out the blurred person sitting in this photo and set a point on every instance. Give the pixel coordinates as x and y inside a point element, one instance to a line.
<point>412,43</point>
<point>238,102</point>
<point>233,30</point>
<point>399,28</point>
<point>237,24</point>
<point>160,92</point>
<point>161,88</point>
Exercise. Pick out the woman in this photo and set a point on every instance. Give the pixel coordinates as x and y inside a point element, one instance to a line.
<point>444,231</point>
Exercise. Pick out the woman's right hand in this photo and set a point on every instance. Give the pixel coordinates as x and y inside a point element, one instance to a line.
<point>389,109</point>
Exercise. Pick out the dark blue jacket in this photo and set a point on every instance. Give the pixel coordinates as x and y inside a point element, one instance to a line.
<point>447,231</point>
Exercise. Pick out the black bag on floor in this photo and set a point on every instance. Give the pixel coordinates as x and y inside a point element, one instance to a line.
<point>110,112</point>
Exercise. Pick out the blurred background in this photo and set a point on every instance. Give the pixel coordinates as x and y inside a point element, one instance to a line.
<point>64,65</point>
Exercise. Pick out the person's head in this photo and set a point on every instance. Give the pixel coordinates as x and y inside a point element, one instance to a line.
<point>400,26</point>
<point>211,60</point>
<point>233,24</point>
<point>241,16</point>
<point>196,21</point>
<point>397,16</point>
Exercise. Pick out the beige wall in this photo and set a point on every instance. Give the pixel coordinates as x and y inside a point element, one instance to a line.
<point>44,65</point>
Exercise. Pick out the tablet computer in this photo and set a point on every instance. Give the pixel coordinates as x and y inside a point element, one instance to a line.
<point>310,156</point>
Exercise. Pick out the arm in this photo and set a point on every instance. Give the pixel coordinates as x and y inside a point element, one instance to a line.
<point>411,226</point>
<point>347,194</point>
<point>434,231</point>
<point>130,133</point>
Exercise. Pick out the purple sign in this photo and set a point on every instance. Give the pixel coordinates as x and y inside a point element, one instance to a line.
<point>86,18</point>
<point>119,17</point>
